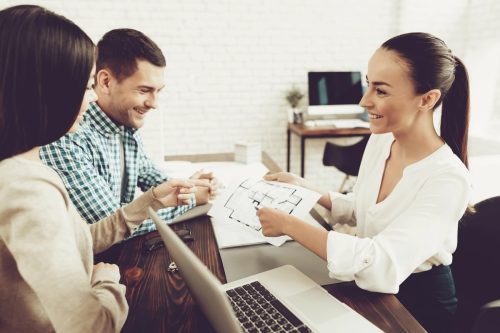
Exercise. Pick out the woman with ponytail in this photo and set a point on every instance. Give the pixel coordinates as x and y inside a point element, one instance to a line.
<point>413,185</point>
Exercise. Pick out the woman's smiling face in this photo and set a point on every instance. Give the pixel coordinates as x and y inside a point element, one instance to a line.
<point>390,100</point>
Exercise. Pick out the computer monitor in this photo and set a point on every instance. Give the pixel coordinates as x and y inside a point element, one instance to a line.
<point>334,93</point>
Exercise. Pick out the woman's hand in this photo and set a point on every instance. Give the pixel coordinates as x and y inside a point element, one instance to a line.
<point>277,223</point>
<point>177,192</point>
<point>109,270</point>
<point>290,178</point>
<point>273,221</point>
<point>285,177</point>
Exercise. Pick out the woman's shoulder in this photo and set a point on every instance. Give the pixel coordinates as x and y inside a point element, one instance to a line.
<point>19,166</point>
<point>445,166</point>
<point>21,174</point>
<point>448,162</point>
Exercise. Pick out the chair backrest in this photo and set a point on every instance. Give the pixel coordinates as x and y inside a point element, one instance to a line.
<point>345,158</point>
<point>476,262</point>
<point>488,319</point>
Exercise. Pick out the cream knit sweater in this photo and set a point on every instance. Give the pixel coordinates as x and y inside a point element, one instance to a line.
<point>46,255</point>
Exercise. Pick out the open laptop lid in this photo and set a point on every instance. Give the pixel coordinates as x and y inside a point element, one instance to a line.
<point>205,287</point>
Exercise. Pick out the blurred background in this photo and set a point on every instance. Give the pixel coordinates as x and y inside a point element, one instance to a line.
<point>231,62</point>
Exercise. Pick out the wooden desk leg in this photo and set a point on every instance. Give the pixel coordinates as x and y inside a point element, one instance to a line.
<point>288,139</point>
<point>302,154</point>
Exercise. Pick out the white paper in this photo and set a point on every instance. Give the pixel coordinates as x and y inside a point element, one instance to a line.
<point>234,211</point>
<point>230,234</point>
<point>226,172</point>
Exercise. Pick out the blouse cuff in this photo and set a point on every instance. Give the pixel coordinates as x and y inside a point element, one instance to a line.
<point>343,261</point>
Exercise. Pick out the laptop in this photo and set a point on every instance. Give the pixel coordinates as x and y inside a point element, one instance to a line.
<point>281,299</point>
<point>192,213</point>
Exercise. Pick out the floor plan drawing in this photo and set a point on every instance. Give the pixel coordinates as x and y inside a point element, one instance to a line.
<point>234,211</point>
<point>251,195</point>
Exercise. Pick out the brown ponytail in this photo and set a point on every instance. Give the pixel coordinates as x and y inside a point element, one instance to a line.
<point>455,113</point>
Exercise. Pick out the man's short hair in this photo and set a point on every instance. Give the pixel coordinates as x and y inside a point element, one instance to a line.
<point>119,49</point>
<point>45,64</point>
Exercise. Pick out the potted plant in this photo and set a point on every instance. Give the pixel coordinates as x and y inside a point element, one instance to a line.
<point>293,97</point>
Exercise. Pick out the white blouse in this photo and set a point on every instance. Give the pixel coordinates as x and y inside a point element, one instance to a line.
<point>414,228</point>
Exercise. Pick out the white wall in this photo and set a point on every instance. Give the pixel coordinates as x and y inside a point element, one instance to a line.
<point>483,57</point>
<point>445,19</point>
<point>229,62</point>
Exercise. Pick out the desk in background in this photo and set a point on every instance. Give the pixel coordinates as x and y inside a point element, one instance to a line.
<point>161,302</point>
<point>304,132</point>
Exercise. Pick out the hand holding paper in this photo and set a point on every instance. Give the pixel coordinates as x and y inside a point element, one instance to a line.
<point>273,221</point>
<point>242,199</point>
<point>285,177</point>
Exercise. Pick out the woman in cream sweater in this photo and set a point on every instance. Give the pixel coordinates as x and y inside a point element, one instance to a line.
<point>48,281</point>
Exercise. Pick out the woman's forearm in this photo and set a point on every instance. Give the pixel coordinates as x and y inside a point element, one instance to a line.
<point>311,237</point>
<point>324,200</point>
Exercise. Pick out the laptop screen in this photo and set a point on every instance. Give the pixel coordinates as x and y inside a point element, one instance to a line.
<point>204,286</point>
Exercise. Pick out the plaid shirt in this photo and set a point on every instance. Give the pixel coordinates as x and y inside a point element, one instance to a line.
<point>89,163</point>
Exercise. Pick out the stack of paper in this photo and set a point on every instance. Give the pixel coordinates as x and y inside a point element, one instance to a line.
<point>245,152</point>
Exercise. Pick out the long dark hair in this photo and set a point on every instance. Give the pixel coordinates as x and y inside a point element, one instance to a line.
<point>433,66</point>
<point>45,63</point>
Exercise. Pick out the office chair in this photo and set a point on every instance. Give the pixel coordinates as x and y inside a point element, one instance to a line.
<point>488,320</point>
<point>346,159</point>
<point>476,263</point>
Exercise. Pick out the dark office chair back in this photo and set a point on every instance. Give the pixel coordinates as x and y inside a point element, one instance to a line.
<point>346,159</point>
<point>476,262</point>
<point>488,320</point>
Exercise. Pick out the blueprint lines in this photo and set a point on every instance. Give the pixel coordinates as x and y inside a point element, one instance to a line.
<point>252,195</point>
<point>234,211</point>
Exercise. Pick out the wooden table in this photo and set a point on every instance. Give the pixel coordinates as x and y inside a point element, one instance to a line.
<point>160,301</point>
<point>304,132</point>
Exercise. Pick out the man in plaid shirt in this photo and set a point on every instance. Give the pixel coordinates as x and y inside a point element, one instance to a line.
<point>104,162</point>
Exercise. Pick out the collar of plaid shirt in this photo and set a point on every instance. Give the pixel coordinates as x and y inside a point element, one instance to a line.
<point>103,123</point>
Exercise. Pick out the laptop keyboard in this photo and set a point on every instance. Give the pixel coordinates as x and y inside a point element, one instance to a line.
<point>259,311</point>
